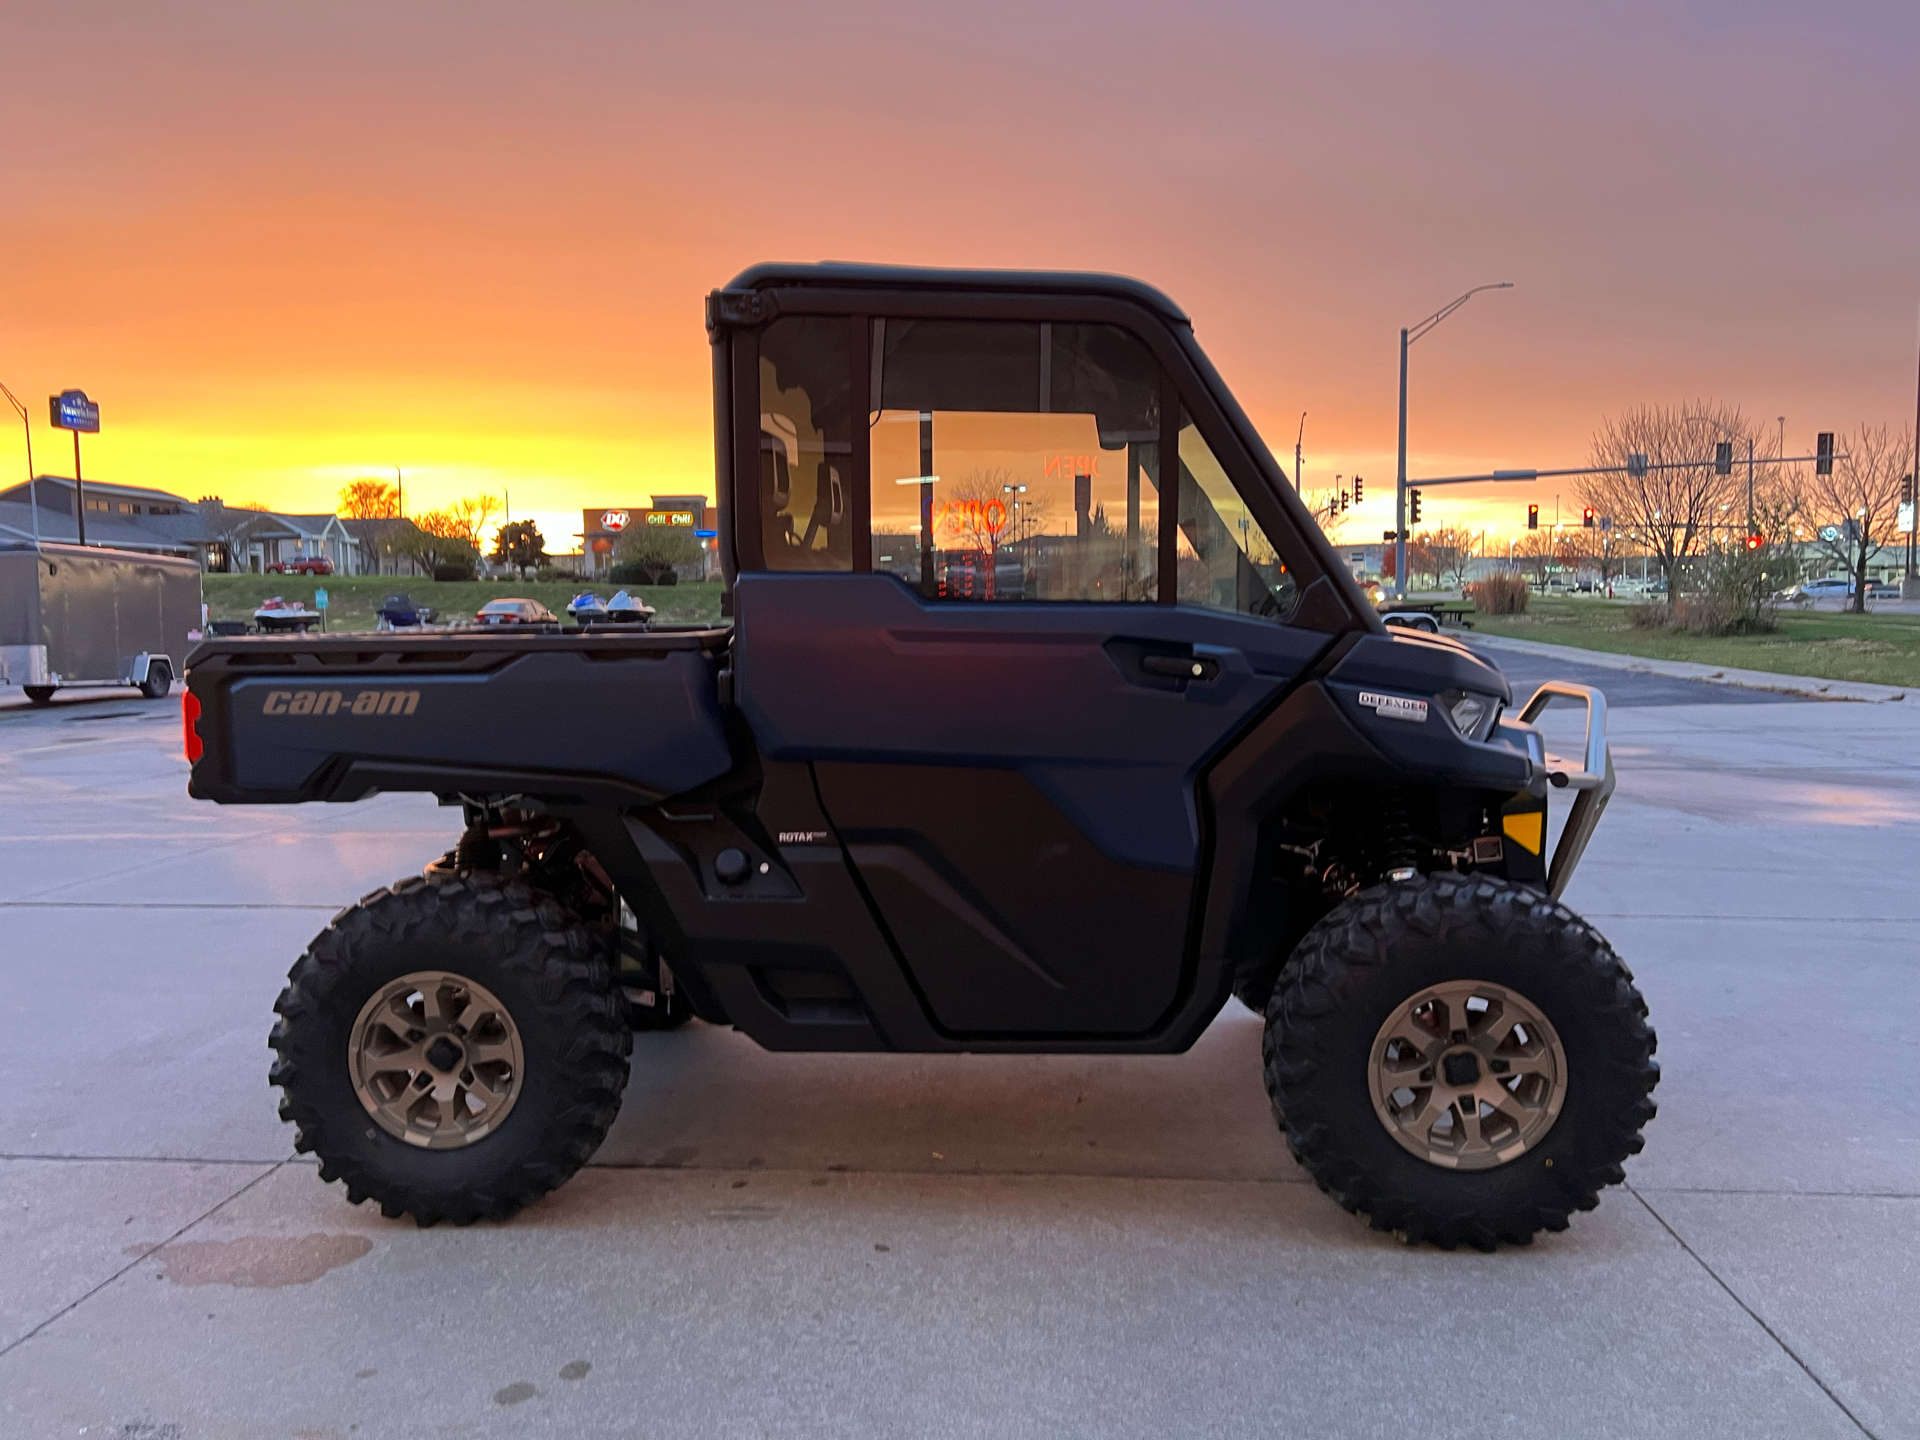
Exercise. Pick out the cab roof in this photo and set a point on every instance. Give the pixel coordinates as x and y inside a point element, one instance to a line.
<point>841,274</point>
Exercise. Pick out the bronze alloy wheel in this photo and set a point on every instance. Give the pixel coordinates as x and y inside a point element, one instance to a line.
<point>1467,1075</point>
<point>436,1060</point>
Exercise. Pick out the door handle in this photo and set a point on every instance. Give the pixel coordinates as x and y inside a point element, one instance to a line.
<point>1180,667</point>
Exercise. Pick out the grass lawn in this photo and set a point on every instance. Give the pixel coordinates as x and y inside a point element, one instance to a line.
<point>1883,649</point>
<point>353,599</point>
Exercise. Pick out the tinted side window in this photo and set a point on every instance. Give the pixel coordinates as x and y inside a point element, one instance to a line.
<point>1226,560</point>
<point>1015,460</point>
<point>806,444</point>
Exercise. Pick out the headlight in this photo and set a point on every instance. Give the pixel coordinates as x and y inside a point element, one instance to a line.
<point>1472,714</point>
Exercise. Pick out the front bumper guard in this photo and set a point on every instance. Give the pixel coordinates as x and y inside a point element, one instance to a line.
<point>1591,778</point>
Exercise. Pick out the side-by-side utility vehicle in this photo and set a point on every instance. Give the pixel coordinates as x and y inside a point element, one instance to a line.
<point>1042,719</point>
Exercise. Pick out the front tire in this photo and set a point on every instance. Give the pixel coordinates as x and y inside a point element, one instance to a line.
<point>1459,1059</point>
<point>451,1048</point>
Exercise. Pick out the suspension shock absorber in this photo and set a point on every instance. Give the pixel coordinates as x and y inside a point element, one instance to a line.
<point>1397,845</point>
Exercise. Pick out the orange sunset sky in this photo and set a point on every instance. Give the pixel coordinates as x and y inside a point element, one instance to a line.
<point>288,246</point>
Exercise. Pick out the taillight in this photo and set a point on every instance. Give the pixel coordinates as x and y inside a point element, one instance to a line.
<point>189,714</point>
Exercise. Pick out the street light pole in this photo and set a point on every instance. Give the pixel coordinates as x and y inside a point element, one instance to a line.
<point>399,492</point>
<point>1407,337</point>
<point>1910,588</point>
<point>1296,451</point>
<point>33,487</point>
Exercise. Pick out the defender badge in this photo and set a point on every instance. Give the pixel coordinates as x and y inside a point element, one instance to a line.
<point>1395,707</point>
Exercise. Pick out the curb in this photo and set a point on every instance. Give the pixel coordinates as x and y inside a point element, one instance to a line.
<point>1809,687</point>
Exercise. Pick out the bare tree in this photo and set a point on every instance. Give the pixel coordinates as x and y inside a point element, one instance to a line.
<point>468,518</point>
<point>435,539</point>
<point>1675,511</point>
<point>1535,552</point>
<point>1331,514</point>
<point>369,500</point>
<point>1854,508</point>
<point>1445,550</point>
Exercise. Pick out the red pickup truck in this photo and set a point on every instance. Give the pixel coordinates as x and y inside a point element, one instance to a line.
<point>302,565</point>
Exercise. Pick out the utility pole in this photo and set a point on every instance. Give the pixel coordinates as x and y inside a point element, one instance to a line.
<point>1407,337</point>
<point>399,492</point>
<point>1749,485</point>
<point>1910,583</point>
<point>33,486</point>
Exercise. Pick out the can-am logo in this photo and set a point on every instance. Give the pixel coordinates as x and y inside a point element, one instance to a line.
<point>615,520</point>
<point>336,702</point>
<point>1394,707</point>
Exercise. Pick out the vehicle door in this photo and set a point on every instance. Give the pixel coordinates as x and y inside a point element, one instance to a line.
<point>998,586</point>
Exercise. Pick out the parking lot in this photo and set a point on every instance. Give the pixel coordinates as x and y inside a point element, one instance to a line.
<point>874,1245</point>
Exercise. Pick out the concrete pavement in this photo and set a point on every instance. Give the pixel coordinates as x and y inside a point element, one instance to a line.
<point>852,1245</point>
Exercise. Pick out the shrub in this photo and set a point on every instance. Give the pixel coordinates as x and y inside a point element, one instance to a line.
<point>1499,595</point>
<point>1649,615</point>
<point>637,572</point>
<point>647,555</point>
<point>453,572</point>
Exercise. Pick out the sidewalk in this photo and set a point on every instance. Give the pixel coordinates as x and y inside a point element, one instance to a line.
<point>1809,686</point>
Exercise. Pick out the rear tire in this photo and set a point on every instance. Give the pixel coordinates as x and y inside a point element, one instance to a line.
<point>560,1036</point>
<point>1366,968</point>
<point>38,694</point>
<point>159,682</point>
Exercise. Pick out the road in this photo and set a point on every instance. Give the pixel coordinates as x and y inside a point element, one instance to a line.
<point>868,1245</point>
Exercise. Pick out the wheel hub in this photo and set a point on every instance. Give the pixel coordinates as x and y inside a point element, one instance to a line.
<point>1467,1075</point>
<point>436,1060</point>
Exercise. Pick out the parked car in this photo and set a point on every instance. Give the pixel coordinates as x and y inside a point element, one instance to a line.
<point>515,612</point>
<point>1832,587</point>
<point>302,565</point>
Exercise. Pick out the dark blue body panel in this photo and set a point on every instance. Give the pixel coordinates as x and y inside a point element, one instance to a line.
<point>1016,788</point>
<point>648,722</point>
<point>859,668</point>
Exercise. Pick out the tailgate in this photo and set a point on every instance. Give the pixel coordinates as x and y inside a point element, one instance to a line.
<point>569,717</point>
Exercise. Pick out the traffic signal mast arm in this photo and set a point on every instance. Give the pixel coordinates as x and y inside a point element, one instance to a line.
<point>1603,470</point>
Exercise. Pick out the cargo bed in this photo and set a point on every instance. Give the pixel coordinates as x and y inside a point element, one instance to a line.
<point>567,716</point>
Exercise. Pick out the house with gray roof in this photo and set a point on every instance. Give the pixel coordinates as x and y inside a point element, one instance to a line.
<point>136,517</point>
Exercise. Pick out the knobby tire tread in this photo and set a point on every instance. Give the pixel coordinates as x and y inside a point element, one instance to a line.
<point>1358,940</point>
<point>523,930</point>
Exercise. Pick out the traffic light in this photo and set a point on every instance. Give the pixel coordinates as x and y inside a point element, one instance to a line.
<point>1359,489</point>
<point>1413,507</point>
<point>1753,542</point>
<point>1723,458</point>
<point>1906,489</point>
<point>1533,517</point>
<point>1586,518</point>
<point>1823,453</point>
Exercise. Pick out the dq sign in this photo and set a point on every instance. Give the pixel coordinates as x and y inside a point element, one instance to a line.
<point>615,520</point>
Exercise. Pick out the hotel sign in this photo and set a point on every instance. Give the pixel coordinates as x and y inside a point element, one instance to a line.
<point>72,410</point>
